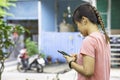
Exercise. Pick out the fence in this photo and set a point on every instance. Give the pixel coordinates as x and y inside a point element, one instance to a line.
<point>115,50</point>
<point>66,41</point>
<point>71,43</point>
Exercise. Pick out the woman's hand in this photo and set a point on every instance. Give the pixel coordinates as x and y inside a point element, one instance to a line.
<point>73,57</point>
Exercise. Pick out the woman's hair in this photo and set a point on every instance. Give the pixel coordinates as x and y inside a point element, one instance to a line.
<point>92,14</point>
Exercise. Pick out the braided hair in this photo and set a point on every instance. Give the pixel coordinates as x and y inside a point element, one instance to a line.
<point>92,14</point>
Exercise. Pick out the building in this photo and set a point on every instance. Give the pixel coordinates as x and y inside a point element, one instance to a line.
<point>45,15</point>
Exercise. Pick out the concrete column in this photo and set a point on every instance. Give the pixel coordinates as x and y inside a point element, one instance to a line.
<point>56,16</point>
<point>109,17</point>
<point>93,2</point>
<point>39,24</point>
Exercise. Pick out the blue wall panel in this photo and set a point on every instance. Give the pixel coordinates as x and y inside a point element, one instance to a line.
<point>48,15</point>
<point>24,10</point>
<point>53,41</point>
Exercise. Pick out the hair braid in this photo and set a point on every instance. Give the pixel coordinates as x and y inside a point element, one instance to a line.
<point>100,21</point>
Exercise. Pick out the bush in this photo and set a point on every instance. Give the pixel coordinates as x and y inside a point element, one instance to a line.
<point>31,46</point>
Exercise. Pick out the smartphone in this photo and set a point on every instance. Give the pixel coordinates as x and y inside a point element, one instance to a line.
<point>63,53</point>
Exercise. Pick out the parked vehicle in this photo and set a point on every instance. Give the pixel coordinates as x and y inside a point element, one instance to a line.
<point>35,63</point>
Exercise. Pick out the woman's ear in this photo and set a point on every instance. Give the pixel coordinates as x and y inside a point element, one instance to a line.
<point>84,20</point>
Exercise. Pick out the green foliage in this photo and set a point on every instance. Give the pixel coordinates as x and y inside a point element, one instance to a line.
<point>42,53</point>
<point>6,30</point>
<point>6,37</point>
<point>5,4</point>
<point>31,46</point>
<point>6,33</point>
<point>20,30</point>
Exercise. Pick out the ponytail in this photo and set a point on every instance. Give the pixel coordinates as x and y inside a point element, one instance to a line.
<point>100,21</point>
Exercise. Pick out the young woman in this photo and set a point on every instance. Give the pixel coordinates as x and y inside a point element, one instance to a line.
<point>93,62</point>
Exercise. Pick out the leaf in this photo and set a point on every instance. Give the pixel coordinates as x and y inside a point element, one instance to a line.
<point>3,3</point>
<point>6,4</point>
<point>12,0</point>
<point>3,13</point>
<point>11,4</point>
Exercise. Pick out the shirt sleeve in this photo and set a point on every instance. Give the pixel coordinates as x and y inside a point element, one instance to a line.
<point>88,47</point>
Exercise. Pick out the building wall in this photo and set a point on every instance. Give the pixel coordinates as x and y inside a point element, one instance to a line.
<point>102,6</point>
<point>115,16</point>
<point>52,12</point>
<point>48,15</point>
<point>62,7</point>
<point>24,10</point>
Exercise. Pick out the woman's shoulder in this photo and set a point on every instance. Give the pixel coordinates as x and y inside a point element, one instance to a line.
<point>94,36</point>
<point>91,39</point>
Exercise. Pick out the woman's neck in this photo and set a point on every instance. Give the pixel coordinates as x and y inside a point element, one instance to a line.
<point>92,28</point>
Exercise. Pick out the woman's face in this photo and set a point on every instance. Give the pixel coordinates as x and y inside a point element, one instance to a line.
<point>82,28</point>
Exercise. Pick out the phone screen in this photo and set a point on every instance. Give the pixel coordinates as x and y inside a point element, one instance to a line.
<point>63,53</point>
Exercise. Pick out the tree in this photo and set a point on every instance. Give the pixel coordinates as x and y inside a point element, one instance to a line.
<point>6,33</point>
<point>5,4</point>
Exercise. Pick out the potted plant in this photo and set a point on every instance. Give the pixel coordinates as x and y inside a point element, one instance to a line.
<point>49,59</point>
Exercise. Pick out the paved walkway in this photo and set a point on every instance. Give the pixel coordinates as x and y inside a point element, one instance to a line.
<point>115,74</point>
<point>62,70</point>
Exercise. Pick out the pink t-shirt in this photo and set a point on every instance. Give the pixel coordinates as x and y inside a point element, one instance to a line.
<point>95,46</point>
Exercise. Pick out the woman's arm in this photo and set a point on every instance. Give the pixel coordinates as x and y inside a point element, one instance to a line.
<point>87,69</point>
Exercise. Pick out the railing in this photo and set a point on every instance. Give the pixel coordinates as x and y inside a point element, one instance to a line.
<point>115,50</point>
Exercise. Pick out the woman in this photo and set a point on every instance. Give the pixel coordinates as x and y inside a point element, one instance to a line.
<point>93,62</point>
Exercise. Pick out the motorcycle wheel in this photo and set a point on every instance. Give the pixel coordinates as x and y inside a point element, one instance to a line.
<point>20,67</point>
<point>39,68</point>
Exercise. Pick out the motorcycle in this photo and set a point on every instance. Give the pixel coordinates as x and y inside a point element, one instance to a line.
<point>35,63</point>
